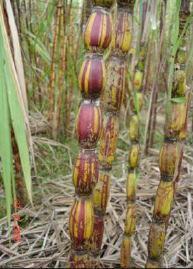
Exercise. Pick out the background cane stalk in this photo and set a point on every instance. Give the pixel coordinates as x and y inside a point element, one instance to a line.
<point>136,96</point>
<point>171,152</point>
<point>112,100</point>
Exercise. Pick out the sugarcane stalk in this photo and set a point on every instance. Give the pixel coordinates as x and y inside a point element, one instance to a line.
<point>97,37</point>
<point>112,99</point>
<point>62,66</point>
<point>53,63</point>
<point>56,83</point>
<point>136,104</point>
<point>171,152</point>
<point>72,52</point>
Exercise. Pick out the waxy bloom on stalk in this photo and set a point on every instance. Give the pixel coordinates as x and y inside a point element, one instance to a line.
<point>88,125</point>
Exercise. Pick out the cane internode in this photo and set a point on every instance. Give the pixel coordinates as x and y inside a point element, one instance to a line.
<point>169,155</point>
<point>92,76</point>
<point>102,192</point>
<point>121,40</point>
<point>156,240</point>
<point>109,138</point>
<point>86,171</point>
<point>81,223</point>
<point>115,84</point>
<point>89,124</point>
<point>134,156</point>
<point>98,30</point>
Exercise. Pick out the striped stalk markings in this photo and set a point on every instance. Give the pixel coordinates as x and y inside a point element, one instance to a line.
<point>98,30</point>
<point>171,154</point>
<point>92,76</point>
<point>108,141</point>
<point>89,124</point>
<point>81,223</point>
<point>86,170</point>
<point>97,37</point>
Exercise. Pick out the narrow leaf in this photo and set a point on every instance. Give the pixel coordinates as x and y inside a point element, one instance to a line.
<point>5,140</point>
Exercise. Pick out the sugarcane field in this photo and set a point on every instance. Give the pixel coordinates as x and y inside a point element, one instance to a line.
<point>96,133</point>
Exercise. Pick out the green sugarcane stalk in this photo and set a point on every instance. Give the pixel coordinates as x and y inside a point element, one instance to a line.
<point>171,153</point>
<point>136,105</point>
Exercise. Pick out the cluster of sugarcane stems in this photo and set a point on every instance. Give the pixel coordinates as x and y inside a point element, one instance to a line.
<point>92,173</point>
<point>171,154</point>
<point>112,100</point>
<point>97,37</point>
